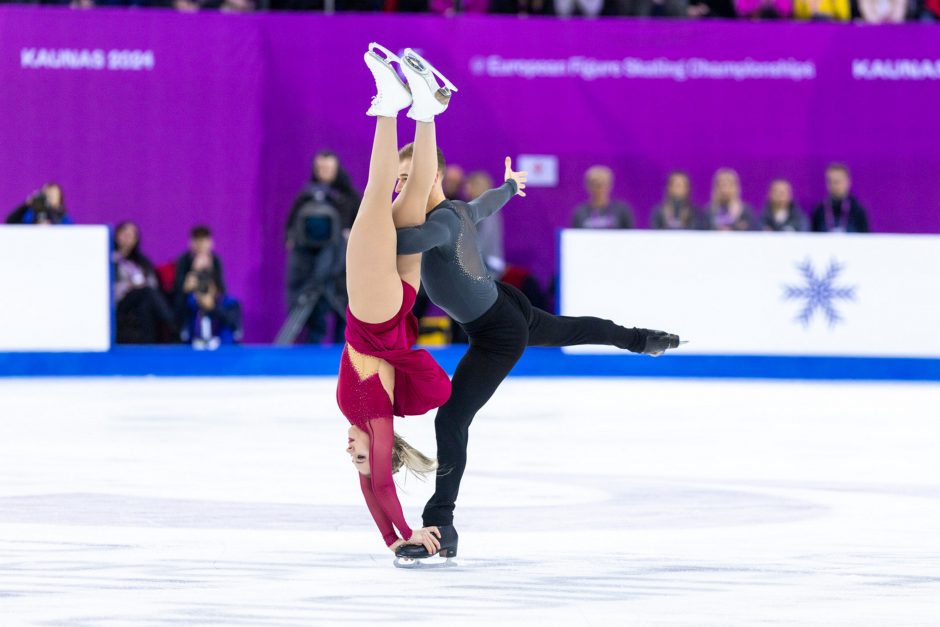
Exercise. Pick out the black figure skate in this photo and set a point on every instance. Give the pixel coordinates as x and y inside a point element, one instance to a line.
<point>416,556</point>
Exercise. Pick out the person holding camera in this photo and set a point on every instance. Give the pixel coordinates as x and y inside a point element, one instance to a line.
<point>200,257</point>
<point>212,318</point>
<point>315,234</point>
<point>45,206</point>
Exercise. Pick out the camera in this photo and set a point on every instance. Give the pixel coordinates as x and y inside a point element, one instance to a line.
<point>42,212</point>
<point>204,281</point>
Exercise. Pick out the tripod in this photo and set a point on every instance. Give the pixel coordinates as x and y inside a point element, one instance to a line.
<point>300,312</point>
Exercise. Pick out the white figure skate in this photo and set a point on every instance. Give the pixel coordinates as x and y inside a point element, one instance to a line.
<point>392,95</point>
<point>430,90</point>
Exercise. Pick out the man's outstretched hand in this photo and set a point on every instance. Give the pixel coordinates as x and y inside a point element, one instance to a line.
<point>658,342</point>
<point>518,177</point>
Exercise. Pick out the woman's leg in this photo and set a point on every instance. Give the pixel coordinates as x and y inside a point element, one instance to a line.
<point>409,208</point>
<point>372,277</point>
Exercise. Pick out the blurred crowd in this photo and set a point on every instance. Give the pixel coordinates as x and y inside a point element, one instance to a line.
<point>186,300</point>
<point>871,11</point>
<point>839,211</point>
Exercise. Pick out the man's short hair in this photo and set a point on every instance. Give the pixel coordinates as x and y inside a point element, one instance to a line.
<point>408,151</point>
<point>836,166</point>
<point>200,232</point>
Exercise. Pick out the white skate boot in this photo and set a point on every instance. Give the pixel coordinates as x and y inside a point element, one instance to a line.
<point>430,97</point>
<point>392,95</point>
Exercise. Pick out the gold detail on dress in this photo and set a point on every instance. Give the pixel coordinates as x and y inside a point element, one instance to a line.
<point>364,365</point>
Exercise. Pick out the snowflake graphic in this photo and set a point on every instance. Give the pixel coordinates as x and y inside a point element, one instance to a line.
<point>819,293</point>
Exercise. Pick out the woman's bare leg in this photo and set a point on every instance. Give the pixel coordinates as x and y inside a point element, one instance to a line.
<point>409,208</point>
<point>372,277</point>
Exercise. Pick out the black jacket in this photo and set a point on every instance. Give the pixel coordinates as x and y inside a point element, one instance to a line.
<point>831,215</point>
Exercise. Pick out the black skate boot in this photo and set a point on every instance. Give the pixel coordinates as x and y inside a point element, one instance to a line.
<point>416,556</point>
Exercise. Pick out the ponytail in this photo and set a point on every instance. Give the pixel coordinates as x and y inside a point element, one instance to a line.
<point>403,454</point>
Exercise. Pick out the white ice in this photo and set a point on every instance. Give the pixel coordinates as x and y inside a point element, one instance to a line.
<point>152,502</point>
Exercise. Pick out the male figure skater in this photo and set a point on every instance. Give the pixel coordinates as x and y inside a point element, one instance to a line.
<point>499,321</point>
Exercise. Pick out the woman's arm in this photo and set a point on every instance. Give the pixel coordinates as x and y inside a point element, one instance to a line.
<point>378,487</point>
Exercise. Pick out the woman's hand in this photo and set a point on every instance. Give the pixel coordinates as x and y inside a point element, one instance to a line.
<point>394,545</point>
<point>518,177</point>
<point>429,537</point>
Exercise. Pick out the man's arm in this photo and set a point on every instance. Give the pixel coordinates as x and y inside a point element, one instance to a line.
<point>433,233</point>
<point>493,200</point>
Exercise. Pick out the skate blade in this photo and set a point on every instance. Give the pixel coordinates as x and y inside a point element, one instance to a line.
<point>427,562</point>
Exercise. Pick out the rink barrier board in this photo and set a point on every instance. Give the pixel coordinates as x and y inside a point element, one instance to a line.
<point>250,361</point>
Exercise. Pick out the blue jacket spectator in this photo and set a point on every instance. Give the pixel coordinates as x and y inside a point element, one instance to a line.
<point>47,206</point>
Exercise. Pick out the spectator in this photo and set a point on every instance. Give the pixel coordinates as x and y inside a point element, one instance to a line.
<point>712,8</point>
<point>453,183</point>
<point>764,9</point>
<point>677,211</point>
<point>452,7</point>
<point>522,7</point>
<point>727,212</point>
<point>583,8</point>
<point>841,211</point>
<point>211,318</point>
<point>651,8</point>
<point>883,11</point>
<point>316,230</point>
<point>823,10</point>
<point>780,212</point>
<point>47,206</point>
<point>929,10</point>
<point>190,270</point>
<point>490,230</point>
<point>600,211</point>
<point>141,312</point>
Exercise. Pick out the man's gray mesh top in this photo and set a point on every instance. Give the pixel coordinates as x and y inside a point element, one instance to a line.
<point>452,268</point>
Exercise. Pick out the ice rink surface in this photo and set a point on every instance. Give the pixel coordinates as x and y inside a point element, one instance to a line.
<point>151,502</point>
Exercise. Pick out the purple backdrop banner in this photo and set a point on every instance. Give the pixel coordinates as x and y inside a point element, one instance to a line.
<point>173,119</point>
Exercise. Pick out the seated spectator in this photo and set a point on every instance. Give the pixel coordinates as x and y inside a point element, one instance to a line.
<point>841,211</point>
<point>199,259</point>
<point>727,212</point>
<point>764,9</point>
<point>883,11</point>
<point>677,211</point>
<point>581,8</point>
<point>140,311</point>
<point>317,226</point>
<point>929,10</point>
<point>453,182</point>
<point>490,230</point>
<point>650,8</point>
<point>212,318</point>
<point>780,212</point>
<point>522,7</point>
<point>711,8</point>
<point>47,206</point>
<point>452,7</point>
<point>823,10</point>
<point>600,211</point>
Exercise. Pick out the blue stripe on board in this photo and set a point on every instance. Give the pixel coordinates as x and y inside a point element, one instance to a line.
<point>181,361</point>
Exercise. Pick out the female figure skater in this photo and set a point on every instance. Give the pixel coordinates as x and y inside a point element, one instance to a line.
<point>380,375</point>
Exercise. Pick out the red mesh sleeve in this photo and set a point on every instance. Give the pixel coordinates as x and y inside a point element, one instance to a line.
<point>379,488</point>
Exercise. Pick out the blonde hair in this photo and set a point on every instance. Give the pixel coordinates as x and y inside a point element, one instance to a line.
<point>403,454</point>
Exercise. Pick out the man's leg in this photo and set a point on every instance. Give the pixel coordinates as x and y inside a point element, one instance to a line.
<point>487,362</point>
<point>546,329</point>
